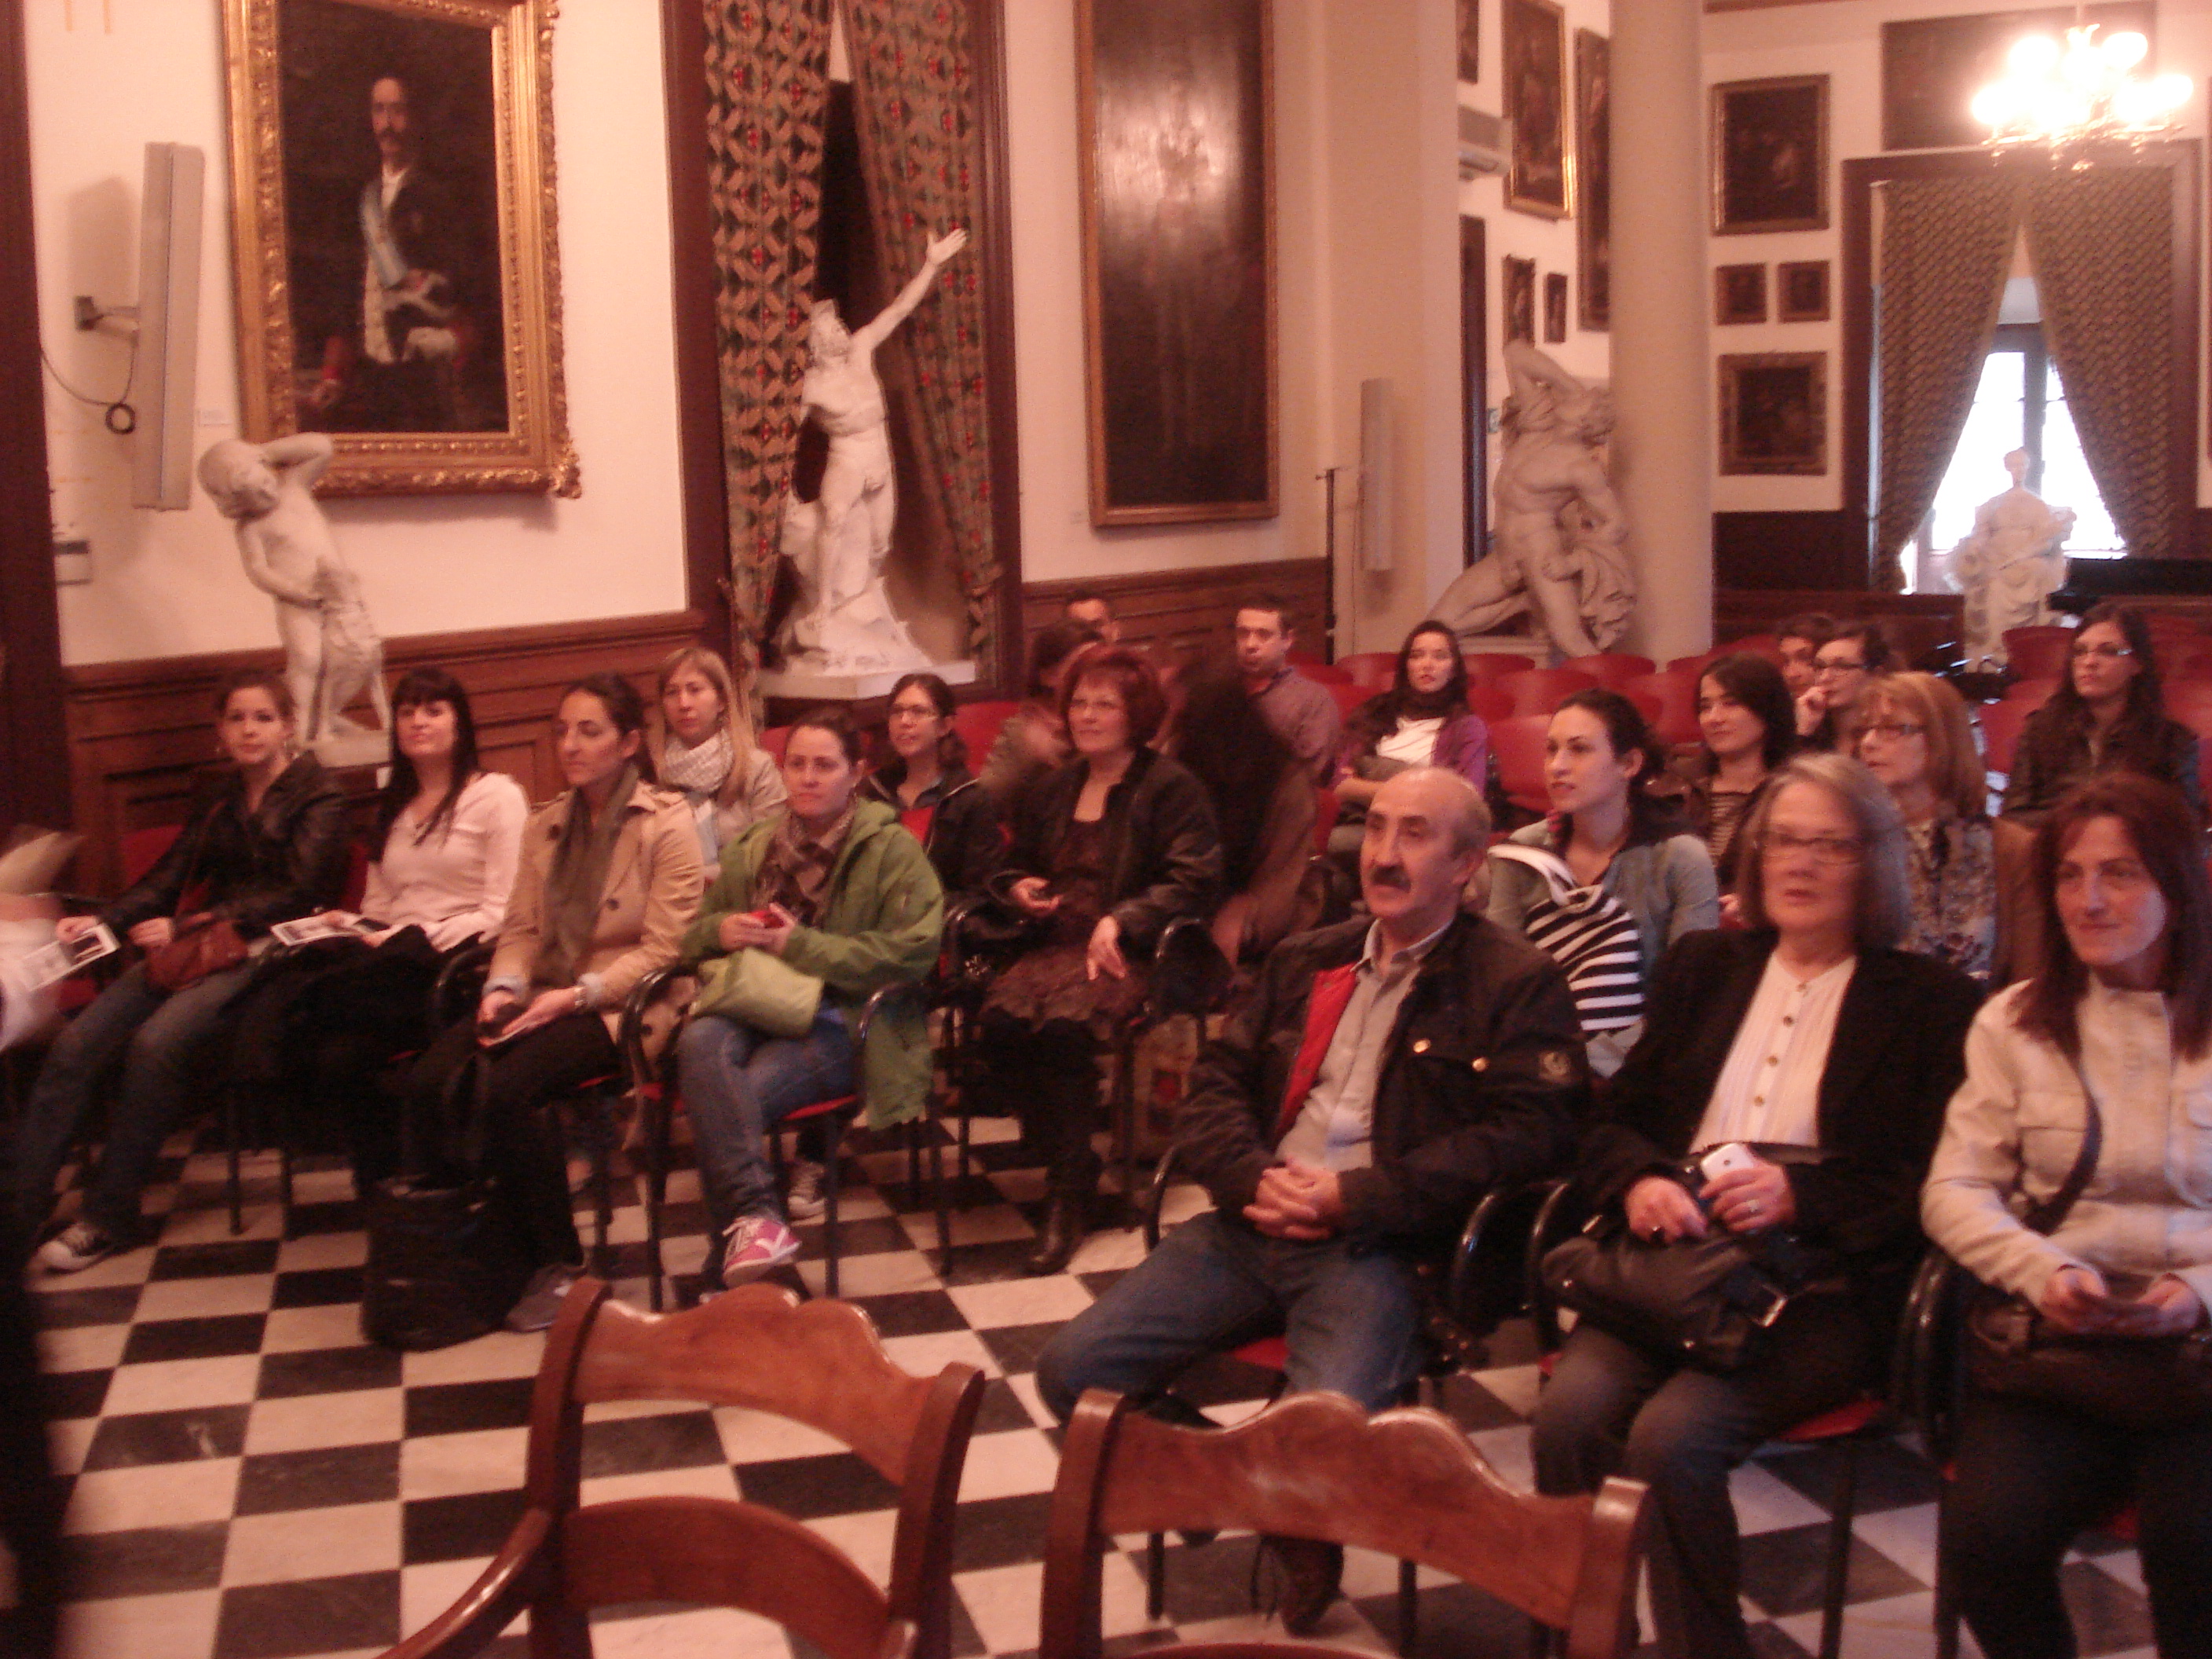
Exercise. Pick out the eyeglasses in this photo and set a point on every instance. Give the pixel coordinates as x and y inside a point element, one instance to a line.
<point>1830,850</point>
<point>1891,729</point>
<point>908,711</point>
<point>2109,653</point>
<point>1837,667</point>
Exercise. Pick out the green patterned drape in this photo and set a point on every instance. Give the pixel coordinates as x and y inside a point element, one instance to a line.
<point>768,65</point>
<point>914,98</point>
<point>1946,246</point>
<point>2101,240</point>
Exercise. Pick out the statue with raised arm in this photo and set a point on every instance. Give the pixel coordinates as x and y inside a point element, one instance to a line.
<point>2008,566</point>
<point>843,622</point>
<point>1556,542</point>
<point>332,653</point>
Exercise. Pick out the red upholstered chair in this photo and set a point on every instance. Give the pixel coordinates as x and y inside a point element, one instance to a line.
<point>1768,646</point>
<point>2035,652</point>
<point>1611,667</point>
<point>2184,660</point>
<point>1540,690</point>
<point>1484,667</point>
<point>977,724</point>
<point>774,740</point>
<point>1676,695</point>
<point>2190,702</point>
<point>1487,701</point>
<point>2033,692</point>
<point>2001,724</point>
<point>1314,668</point>
<point>1518,746</point>
<point>1348,697</point>
<point>1692,666</point>
<point>1373,669</point>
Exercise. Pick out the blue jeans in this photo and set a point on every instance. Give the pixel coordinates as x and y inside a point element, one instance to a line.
<point>738,1082</point>
<point>1350,1314</point>
<point>155,1037</point>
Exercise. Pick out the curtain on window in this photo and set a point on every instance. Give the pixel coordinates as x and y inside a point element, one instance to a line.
<point>1947,245</point>
<point>913,88</point>
<point>2102,241</point>
<point>767,69</point>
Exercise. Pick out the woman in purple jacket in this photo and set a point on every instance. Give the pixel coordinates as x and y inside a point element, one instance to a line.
<point>1423,719</point>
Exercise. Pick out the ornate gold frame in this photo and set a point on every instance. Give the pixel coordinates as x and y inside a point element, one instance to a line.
<point>534,453</point>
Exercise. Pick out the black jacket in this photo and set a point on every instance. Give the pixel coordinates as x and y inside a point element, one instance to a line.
<point>1483,1085</point>
<point>1898,1053</point>
<point>965,843</point>
<point>2053,755</point>
<point>1162,848</point>
<point>289,860</point>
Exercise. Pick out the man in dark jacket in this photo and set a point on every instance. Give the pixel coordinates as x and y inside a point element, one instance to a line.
<point>1378,1079</point>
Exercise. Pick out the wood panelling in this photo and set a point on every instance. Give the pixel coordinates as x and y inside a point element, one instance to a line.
<point>1181,612</point>
<point>1789,550</point>
<point>1916,624</point>
<point>141,733</point>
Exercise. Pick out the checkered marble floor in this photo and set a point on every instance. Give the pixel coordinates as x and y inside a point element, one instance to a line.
<point>250,1481</point>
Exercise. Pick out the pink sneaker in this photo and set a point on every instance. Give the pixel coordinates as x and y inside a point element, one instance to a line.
<point>758,1245</point>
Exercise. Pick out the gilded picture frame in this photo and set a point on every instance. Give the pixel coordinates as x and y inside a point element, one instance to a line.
<point>396,239</point>
<point>1770,154</point>
<point>1739,294</point>
<point>1539,174</point>
<point>1774,413</point>
<point>1594,180</point>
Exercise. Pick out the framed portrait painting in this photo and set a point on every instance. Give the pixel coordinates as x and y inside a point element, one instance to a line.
<point>1739,294</point>
<point>1179,259</point>
<point>1774,413</point>
<point>1536,66</point>
<point>1470,48</point>
<point>1593,178</point>
<point>398,276</point>
<point>1520,299</point>
<point>1555,307</point>
<point>1802,291</point>
<point>1770,154</point>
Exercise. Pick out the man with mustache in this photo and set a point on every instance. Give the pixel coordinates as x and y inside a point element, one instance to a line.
<point>1378,1079</point>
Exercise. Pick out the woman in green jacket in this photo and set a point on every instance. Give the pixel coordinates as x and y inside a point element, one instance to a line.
<point>831,898</point>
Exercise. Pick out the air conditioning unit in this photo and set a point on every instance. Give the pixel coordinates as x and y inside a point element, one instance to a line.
<point>1485,142</point>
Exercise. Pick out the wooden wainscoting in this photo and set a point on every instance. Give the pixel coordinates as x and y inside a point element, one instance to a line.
<point>141,734</point>
<point>1916,624</point>
<point>1181,612</point>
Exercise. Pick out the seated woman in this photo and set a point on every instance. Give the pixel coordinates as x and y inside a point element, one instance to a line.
<point>1749,728</point>
<point>1423,719</point>
<point>1840,668</point>
<point>2109,712</point>
<point>1915,738</point>
<point>1108,850</point>
<point>1263,801</point>
<point>2123,1018</point>
<point>1608,837</point>
<point>704,746</point>
<point>1034,740</point>
<point>610,879</point>
<point>844,895</point>
<point>928,785</point>
<point>266,845</point>
<point>1810,1030</point>
<point>322,1025</point>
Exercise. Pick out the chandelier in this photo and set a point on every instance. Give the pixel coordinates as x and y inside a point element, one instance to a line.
<point>2083,93</point>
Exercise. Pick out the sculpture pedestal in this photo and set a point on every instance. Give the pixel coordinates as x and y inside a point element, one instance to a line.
<point>342,749</point>
<point>807,685</point>
<point>1538,650</point>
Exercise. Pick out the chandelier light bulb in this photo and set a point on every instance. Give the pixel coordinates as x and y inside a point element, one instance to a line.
<point>2032,56</point>
<point>1997,104</point>
<point>2125,50</point>
<point>2172,91</point>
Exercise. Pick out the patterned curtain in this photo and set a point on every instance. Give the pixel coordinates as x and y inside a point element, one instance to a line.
<point>913,97</point>
<point>1946,247</point>
<point>767,79</point>
<point>2101,241</point>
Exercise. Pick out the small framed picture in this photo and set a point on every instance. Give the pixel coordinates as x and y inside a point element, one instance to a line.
<point>1555,307</point>
<point>1739,294</point>
<point>1470,26</point>
<point>1520,299</point>
<point>1800,291</point>
<point>1774,413</point>
<point>1770,154</point>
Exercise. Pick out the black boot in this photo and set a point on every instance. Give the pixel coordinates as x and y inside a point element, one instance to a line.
<point>1064,1218</point>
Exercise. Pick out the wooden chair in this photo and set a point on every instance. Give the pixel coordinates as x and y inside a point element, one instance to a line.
<point>1542,690</point>
<point>1405,1482</point>
<point>819,1363</point>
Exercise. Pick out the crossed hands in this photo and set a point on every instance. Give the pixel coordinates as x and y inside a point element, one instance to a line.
<point>1297,1201</point>
<point>1742,1201</point>
<point>2076,1299</point>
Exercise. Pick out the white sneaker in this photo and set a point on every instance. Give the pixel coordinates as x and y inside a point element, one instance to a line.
<point>75,1248</point>
<point>758,1245</point>
<point>805,1201</point>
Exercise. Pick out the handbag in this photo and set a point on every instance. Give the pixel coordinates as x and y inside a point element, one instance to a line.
<point>2149,1383</point>
<point>759,988</point>
<point>194,952</point>
<point>1708,1300</point>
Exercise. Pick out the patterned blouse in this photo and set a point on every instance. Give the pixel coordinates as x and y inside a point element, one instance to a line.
<point>1953,872</point>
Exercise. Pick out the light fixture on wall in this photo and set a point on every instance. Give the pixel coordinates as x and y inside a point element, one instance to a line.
<point>2083,93</point>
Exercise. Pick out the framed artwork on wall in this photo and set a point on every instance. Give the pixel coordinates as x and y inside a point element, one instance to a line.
<point>418,324</point>
<point>1774,413</point>
<point>1520,299</point>
<point>1931,67</point>
<point>1470,50</point>
<point>1535,67</point>
<point>1555,307</point>
<point>1770,154</point>
<point>1800,291</point>
<point>1739,294</point>
<point>1178,259</point>
<point>1594,179</point>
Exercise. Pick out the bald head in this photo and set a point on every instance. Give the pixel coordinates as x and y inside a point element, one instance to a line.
<point>1426,830</point>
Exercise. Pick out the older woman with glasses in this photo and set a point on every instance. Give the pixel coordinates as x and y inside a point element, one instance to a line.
<point>1914,735</point>
<point>1803,1063</point>
<point>2108,713</point>
<point>1840,668</point>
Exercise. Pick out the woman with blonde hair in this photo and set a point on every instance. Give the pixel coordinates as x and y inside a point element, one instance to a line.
<point>1915,736</point>
<point>704,744</point>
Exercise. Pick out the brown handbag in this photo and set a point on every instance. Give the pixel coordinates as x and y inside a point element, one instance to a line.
<point>205,948</point>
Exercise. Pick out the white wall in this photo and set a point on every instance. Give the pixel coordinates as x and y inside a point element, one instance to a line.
<point>1842,39</point>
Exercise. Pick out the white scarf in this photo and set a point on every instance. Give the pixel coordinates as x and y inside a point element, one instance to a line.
<point>700,771</point>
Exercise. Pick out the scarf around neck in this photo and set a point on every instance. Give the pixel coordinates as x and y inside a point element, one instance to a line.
<point>573,886</point>
<point>700,771</point>
<point>796,869</point>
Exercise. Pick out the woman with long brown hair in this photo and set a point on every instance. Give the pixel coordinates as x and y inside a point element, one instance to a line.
<point>2108,713</point>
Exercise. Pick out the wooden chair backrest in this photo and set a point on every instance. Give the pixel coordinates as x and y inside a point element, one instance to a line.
<point>1406,1483</point>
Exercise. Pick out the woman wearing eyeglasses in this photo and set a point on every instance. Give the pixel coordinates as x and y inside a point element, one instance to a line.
<point>1820,1056</point>
<point>1914,735</point>
<point>2108,713</point>
<point>1840,668</point>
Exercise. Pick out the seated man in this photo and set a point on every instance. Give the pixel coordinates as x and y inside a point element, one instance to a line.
<point>1366,1092</point>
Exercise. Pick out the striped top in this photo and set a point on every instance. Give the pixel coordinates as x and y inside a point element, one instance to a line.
<point>1590,934</point>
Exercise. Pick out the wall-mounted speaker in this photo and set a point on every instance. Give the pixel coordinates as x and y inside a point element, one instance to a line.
<point>1374,484</point>
<point>170,216</point>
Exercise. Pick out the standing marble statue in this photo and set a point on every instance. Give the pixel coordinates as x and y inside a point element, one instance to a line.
<point>843,622</point>
<point>2008,566</point>
<point>1556,544</point>
<point>332,653</point>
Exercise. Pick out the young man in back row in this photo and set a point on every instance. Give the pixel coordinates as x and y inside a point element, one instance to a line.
<point>1302,713</point>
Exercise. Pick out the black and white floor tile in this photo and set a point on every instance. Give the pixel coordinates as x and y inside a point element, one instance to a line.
<point>250,1479</point>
